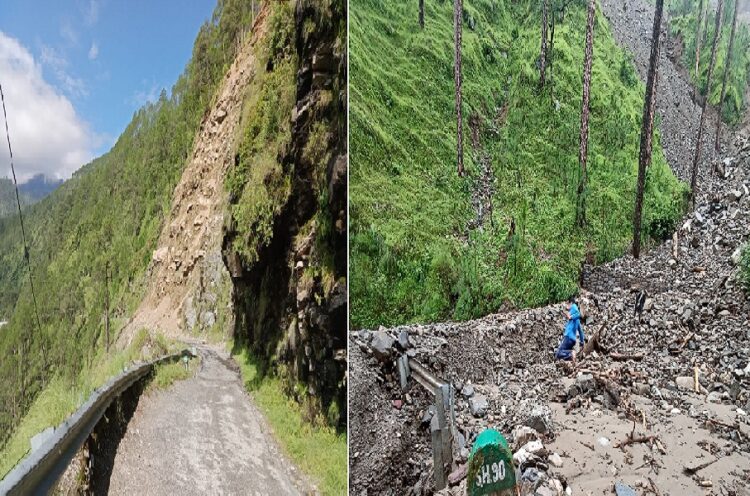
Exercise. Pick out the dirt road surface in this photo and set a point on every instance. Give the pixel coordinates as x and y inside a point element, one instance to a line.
<point>202,436</point>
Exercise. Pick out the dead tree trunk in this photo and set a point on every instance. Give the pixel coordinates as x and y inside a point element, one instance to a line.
<point>584,142</point>
<point>543,54</point>
<point>647,126</point>
<point>457,25</point>
<point>421,14</point>
<point>552,45</point>
<point>106,305</point>
<point>699,39</point>
<point>699,142</point>
<point>726,74</point>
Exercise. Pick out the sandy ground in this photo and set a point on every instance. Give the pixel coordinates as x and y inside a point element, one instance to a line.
<point>202,436</point>
<point>591,466</point>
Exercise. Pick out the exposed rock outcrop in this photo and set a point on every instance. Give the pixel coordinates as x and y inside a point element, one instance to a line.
<point>291,300</point>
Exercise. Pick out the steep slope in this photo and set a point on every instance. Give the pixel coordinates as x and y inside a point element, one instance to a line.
<point>695,321</point>
<point>186,276</point>
<point>285,242</point>
<point>427,245</point>
<point>95,235</point>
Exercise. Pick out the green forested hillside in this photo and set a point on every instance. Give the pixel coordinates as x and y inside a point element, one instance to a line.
<point>415,255</point>
<point>8,204</point>
<point>683,25</point>
<point>108,215</point>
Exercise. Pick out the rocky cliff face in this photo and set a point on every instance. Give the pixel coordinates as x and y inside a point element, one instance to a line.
<point>187,279</point>
<point>290,298</point>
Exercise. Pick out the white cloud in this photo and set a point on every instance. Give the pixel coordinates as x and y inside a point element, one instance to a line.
<point>91,12</point>
<point>93,51</point>
<point>68,33</point>
<point>47,135</point>
<point>58,64</point>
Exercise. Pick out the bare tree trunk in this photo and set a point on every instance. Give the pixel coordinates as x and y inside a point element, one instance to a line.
<point>726,74</point>
<point>584,143</point>
<point>457,25</point>
<point>699,143</point>
<point>543,54</point>
<point>421,14</point>
<point>106,305</point>
<point>647,126</point>
<point>552,46</point>
<point>699,39</point>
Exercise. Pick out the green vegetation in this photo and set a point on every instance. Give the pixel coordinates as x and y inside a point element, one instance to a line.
<point>319,451</point>
<point>684,16</point>
<point>62,396</point>
<point>168,374</point>
<point>414,256</point>
<point>259,181</point>
<point>275,186</point>
<point>109,215</point>
<point>744,274</point>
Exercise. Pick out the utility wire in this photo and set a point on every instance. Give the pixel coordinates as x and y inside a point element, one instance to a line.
<point>20,214</point>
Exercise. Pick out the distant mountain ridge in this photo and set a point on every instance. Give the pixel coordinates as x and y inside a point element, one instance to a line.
<point>39,186</point>
<point>32,191</point>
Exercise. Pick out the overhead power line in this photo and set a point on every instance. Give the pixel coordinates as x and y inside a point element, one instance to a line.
<point>20,214</point>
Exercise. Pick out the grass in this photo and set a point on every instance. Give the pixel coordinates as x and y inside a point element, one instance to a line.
<point>744,272</point>
<point>62,396</point>
<point>413,256</point>
<point>317,449</point>
<point>167,374</point>
<point>683,24</point>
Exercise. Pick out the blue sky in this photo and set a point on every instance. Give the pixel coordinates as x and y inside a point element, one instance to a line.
<point>74,71</point>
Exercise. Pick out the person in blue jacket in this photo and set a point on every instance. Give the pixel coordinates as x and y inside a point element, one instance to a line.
<point>573,330</point>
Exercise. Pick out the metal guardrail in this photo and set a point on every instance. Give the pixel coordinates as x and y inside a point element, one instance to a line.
<point>442,424</point>
<point>39,471</point>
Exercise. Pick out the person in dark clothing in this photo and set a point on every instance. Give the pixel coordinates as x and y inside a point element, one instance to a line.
<point>573,330</point>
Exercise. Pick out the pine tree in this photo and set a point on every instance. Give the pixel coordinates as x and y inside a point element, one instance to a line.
<point>647,126</point>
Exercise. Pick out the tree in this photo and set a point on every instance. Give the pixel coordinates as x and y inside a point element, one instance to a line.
<point>421,14</point>
<point>106,305</point>
<point>583,149</point>
<point>699,142</point>
<point>726,74</point>
<point>457,24</point>
<point>647,126</point>
<point>699,37</point>
<point>543,54</point>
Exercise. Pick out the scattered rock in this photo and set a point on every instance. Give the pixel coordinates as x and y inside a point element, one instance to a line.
<point>624,490</point>
<point>382,345</point>
<point>478,405</point>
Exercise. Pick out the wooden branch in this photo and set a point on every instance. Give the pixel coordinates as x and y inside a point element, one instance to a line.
<point>693,470</point>
<point>623,357</point>
<point>695,380</point>
<point>633,440</point>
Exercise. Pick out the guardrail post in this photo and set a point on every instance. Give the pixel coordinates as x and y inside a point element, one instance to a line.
<point>403,371</point>
<point>438,463</point>
<point>440,433</point>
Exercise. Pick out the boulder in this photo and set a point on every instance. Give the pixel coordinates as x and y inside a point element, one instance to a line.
<point>382,345</point>
<point>685,383</point>
<point>478,405</point>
